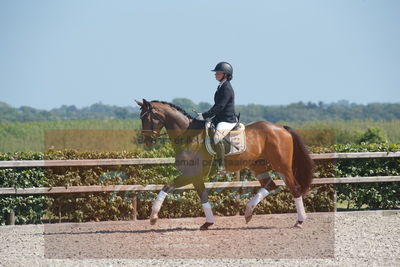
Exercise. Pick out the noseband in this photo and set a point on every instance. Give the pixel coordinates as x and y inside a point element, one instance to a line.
<point>153,134</point>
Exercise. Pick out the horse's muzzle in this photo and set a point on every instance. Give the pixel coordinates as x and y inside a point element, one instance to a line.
<point>149,137</point>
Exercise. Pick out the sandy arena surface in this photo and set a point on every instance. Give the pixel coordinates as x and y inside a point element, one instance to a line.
<point>328,239</point>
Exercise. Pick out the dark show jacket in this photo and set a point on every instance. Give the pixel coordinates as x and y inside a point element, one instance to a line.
<point>224,107</point>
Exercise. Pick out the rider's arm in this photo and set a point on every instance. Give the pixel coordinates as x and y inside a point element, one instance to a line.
<point>221,100</point>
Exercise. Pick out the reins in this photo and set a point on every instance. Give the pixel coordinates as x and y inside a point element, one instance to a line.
<point>152,133</point>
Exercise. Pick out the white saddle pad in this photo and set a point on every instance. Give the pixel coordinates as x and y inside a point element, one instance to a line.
<point>236,140</point>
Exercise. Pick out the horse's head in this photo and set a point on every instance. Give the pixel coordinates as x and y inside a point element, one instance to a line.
<point>153,120</point>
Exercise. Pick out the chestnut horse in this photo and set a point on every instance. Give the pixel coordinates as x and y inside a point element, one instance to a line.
<point>268,147</point>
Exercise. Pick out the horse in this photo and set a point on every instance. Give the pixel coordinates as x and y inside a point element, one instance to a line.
<point>279,147</point>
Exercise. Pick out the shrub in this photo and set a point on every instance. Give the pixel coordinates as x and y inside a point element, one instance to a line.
<point>118,205</point>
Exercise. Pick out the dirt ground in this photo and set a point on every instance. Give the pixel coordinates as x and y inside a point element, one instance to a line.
<point>264,237</point>
<point>327,239</point>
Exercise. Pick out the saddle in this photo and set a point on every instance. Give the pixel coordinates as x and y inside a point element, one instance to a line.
<point>235,140</point>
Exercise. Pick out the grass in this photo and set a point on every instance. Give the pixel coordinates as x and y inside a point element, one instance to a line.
<point>31,136</point>
<point>349,131</point>
<point>37,136</point>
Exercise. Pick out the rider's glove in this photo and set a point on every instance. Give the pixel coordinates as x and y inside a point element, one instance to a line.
<point>199,116</point>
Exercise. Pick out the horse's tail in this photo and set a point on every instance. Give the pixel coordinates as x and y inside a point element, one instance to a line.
<point>303,165</point>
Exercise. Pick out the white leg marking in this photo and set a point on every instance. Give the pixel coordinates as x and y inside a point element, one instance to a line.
<point>301,214</point>
<point>208,212</point>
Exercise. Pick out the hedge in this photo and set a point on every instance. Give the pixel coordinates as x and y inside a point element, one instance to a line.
<point>118,205</point>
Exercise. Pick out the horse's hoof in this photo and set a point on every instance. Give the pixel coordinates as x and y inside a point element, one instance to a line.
<point>205,226</point>
<point>298,224</point>
<point>248,218</point>
<point>248,214</point>
<point>153,221</point>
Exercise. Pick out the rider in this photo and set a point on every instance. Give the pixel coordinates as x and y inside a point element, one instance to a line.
<point>223,109</point>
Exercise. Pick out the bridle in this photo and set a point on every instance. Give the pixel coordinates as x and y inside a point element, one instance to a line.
<point>153,134</point>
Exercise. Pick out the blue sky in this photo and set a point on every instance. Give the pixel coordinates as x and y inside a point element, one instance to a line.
<point>82,52</point>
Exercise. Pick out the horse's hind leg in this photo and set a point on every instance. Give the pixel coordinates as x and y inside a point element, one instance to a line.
<point>298,199</point>
<point>280,158</point>
<point>288,177</point>
<point>267,185</point>
<point>301,213</point>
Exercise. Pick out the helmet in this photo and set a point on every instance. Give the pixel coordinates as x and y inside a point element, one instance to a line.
<point>224,67</point>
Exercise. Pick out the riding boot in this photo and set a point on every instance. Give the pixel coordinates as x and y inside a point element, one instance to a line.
<point>220,149</point>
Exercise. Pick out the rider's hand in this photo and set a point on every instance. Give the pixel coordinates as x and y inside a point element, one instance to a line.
<point>199,116</point>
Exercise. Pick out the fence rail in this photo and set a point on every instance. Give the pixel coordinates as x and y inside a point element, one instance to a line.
<point>150,161</point>
<point>156,187</point>
<point>143,161</point>
<point>152,187</point>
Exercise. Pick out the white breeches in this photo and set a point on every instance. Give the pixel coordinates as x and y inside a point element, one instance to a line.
<point>222,129</point>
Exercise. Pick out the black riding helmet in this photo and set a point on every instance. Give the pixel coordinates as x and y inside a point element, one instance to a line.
<point>223,67</point>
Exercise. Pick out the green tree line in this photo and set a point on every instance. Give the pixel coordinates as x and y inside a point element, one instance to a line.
<point>298,112</point>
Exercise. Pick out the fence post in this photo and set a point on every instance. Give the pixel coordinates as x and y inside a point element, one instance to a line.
<point>10,219</point>
<point>334,199</point>
<point>59,213</point>
<point>239,192</point>
<point>134,206</point>
<point>237,176</point>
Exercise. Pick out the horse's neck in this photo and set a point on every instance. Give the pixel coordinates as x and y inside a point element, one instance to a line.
<point>176,124</point>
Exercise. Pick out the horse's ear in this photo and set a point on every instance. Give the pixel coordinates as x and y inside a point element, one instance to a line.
<point>147,104</point>
<point>139,103</point>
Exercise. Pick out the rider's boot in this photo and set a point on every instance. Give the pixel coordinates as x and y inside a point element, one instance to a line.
<point>220,157</point>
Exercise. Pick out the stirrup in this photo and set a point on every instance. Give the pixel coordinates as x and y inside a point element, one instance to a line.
<point>220,167</point>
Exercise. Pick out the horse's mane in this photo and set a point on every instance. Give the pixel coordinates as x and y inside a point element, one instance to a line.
<point>175,107</point>
<point>196,124</point>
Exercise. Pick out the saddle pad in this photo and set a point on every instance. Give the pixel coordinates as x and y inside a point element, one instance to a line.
<point>235,140</point>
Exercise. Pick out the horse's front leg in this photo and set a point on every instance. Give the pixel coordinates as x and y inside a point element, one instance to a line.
<point>180,181</point>
<point>203,194</point>
<point>155,208</point>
